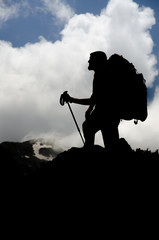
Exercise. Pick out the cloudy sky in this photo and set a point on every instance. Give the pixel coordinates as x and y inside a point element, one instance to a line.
<point>44,50</point>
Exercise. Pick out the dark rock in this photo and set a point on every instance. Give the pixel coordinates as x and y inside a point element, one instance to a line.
<point>18,159</point>
<point>47,152</point>
<point>79,165</point>
<point>81,181</point>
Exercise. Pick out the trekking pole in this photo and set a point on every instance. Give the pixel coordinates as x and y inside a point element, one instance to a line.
<point>62,102</point>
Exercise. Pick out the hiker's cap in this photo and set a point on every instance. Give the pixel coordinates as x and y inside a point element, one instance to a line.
<point>99,55</point>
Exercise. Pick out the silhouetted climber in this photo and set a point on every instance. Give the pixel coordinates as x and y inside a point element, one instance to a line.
<point>102,113</point>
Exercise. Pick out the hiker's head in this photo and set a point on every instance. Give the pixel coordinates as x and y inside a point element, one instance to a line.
<point>97,60</point>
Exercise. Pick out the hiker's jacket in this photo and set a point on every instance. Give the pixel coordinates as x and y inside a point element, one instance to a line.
<point>105,94</point>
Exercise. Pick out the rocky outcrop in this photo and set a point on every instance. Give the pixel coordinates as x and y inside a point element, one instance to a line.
<point>18,161</point>
<point>99,168</point>
<point>80,181</point>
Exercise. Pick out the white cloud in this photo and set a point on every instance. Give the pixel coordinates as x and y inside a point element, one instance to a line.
<point>10,10</point>
<point>34,76</point>
<point>7,12</point>
<point>59,9</point>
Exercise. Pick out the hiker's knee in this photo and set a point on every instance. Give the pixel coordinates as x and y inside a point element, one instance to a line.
<point>89,128</point>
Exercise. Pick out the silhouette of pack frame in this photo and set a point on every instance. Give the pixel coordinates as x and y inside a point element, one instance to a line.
<point>132,90</point>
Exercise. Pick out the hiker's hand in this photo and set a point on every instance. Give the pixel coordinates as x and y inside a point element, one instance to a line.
<point>65,97</point>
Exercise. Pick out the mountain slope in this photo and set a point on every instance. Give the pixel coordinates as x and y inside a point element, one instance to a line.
<point>18,160</point>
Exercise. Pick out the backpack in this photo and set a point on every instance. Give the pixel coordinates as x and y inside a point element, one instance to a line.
<point>131,89</point>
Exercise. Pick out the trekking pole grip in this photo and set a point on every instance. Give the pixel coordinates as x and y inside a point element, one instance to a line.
<point>63,98</point>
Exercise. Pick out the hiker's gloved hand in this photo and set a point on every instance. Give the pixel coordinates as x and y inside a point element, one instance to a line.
<point>67,98</point>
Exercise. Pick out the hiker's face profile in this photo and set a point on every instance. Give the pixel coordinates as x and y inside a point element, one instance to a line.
<point>92,63</point>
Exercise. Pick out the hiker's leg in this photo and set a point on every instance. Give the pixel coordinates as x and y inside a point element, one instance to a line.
<point>110,134</point>
<point>90,127</point>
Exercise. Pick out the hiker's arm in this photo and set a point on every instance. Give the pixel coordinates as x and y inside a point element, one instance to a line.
<point>83,101</point>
